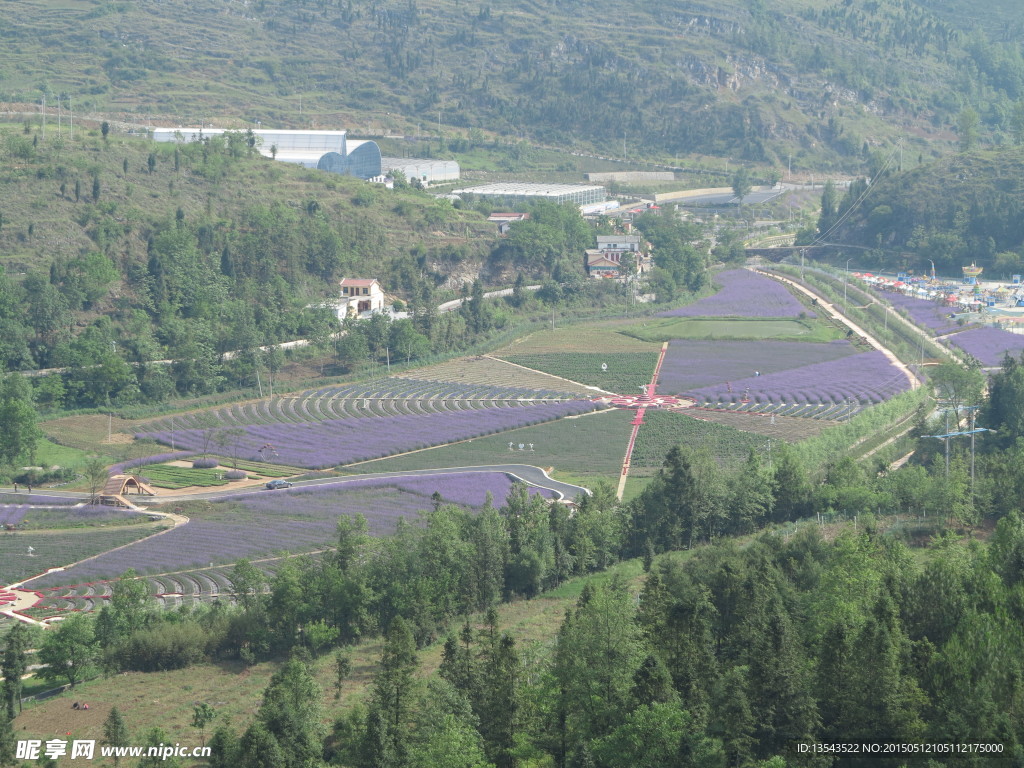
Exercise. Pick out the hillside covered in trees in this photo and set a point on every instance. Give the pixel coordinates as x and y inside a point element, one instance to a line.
<point>118,252</point>
<point>966,207</point>
<point>823,82</point>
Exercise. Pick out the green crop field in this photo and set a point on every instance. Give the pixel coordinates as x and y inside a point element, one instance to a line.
<point>626,371</point>
<point>731,328</point>
<point>662,430</point>
<point>54,549</point>
<point>604,336</point>
<point>587,446</point>
<point>167,476</point>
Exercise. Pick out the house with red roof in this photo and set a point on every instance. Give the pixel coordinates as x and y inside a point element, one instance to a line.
<point>360,296</point>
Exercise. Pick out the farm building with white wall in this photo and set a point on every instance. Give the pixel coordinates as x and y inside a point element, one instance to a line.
<point>325,150</point>
<point>427,171</point>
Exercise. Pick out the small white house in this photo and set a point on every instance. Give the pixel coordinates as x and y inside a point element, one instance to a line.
<point>618,243</point>
<point>360,296</point>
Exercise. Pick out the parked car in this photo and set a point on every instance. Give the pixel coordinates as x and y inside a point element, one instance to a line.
<point>273,485</point>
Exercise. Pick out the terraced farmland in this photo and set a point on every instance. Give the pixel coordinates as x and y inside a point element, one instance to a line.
<point>385,397</point>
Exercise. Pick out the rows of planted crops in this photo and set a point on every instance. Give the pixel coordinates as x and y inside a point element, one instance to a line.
<point>389,397</point>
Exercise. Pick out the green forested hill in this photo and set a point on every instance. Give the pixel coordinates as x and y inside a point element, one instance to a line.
<point>823,81</point>
<point>965,207</point>
<point>116,251</point>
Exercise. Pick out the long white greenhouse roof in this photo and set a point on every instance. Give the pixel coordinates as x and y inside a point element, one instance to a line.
<point>538,189</point>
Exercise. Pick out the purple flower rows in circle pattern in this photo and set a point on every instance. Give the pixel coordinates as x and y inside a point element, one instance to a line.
<point>340,441</point>
<point>744,294</point>
<point>988,344</point>
<point>689,365</point>
<point>297,519</point>
<point>923,312</point>
<point>867,377</point>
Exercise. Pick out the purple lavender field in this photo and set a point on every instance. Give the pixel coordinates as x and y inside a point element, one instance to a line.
<point>298,519</point>
<point>867,377</point>
<point>923,312</point>
<point>988,345</point>
<point>316,445</point>
<point>744,294</point>
<point>690,365</point>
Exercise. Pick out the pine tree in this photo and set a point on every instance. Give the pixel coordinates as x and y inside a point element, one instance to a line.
<point>732,720</point>
<point>115,732</point>
<point>500,701</point>
<point>652,683</point>
<point>291,713</point>
<point>392,691</point>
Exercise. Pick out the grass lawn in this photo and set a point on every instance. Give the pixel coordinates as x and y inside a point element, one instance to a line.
<point>664,429</point>
<point>587,446</point>
<point>634,486</point>
<point>49,454</point>
<point>731,328</point>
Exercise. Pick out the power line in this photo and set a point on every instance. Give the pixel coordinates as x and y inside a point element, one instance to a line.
<point>856,203</point>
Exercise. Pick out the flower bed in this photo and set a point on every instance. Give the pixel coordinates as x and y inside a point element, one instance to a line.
<point>744,294</point>
<point>690,365</point>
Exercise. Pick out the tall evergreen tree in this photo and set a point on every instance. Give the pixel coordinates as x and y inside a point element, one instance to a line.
<point>392,695</point>
<point>291,713</point>
<point>115,732</point>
